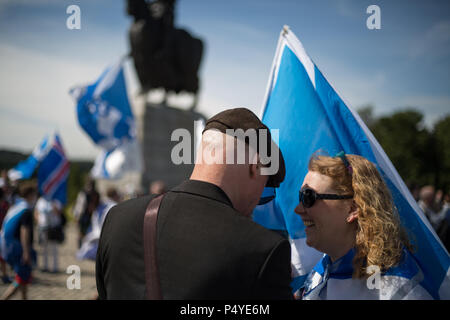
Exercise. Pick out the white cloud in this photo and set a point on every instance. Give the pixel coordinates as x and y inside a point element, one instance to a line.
<point>434,42</point>
<point>4,4</point>
<point>34,99</point>
<point>34,95</point>
<point>244,31</point>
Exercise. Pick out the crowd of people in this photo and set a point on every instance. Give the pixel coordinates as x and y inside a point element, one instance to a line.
<point>17,235</point>
<point>207,245</point>
<point>435,204</point>
<point>28,220</point>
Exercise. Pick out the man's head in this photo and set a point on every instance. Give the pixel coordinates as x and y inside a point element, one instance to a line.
<point>28,191</point>
<point>113,194</point>
<point>427,195</point>
<point>237,154</point>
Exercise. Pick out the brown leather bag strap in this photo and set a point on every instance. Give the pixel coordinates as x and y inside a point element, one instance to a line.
<point>152,285</point>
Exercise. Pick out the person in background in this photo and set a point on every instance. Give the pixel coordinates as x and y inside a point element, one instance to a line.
<point>157,187</point>
<point>444,228</point>
<point>350,216</point>
<point>428,205</point>
<point>49,217</point>
<point>89,245</point>
<point>4,206</point>
<point>81,211</point>
<point>17,239</point>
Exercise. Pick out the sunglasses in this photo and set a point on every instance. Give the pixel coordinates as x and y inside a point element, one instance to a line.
<point>308,197</point>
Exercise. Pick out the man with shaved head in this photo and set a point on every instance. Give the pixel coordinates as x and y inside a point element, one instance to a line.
<point>205,244</point>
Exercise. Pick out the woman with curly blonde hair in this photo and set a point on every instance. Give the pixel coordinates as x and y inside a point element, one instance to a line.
<point>349,215</point>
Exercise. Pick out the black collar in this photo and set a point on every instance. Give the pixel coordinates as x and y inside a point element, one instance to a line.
<point>203,189</point>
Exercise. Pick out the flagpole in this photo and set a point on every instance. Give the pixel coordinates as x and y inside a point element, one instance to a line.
<point>272,70</point>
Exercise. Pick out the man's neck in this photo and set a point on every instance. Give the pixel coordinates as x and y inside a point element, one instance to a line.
<point>217,178</point>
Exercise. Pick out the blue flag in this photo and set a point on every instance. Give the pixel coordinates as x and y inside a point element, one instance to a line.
<point>310,116</point>
<point>103,109</point>
<point>53,173</point>
<point>105,114</point>
<point>25,169</point>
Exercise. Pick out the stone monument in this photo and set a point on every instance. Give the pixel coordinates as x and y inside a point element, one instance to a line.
<point>165,58</point>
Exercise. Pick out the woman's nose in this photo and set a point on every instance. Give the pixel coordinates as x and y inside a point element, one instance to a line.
<point>299,208</point>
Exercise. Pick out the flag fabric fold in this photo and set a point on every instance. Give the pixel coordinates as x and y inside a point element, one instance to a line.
<point>311,116</point>
<point>53,173</point>
<point>104,113</point>
<point>52,167</point>
<point>25,169</point>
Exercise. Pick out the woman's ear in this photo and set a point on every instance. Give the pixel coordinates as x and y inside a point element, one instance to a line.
<point>353,213</point>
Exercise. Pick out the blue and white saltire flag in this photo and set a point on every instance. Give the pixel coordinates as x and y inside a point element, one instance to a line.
<point>53,173</point>
<point>25,169</point>
<point>111,164</point>
<point>10,246</point>
<point>105,114</point>
<point>310,116</point>
<point>88,249</point>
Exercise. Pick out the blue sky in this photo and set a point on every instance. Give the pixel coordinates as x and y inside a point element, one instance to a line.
<point>405,64</point>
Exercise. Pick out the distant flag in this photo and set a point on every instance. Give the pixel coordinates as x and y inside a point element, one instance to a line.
<point>53,173</point>
<point>25,169</point>
<point>105,114</point>
<point>311,116</point>
<point>111,164</point>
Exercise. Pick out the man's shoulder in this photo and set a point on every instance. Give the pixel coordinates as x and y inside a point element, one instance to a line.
<point>132,205</point>
<point>260,236</point>
<point>244,229</point>
<point>129,211</point>
<point>222,215</point>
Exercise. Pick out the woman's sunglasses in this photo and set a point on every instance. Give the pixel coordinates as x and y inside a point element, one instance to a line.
<point>308,197</point>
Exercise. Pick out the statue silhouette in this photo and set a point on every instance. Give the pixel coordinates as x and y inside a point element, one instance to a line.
<point>164,56</point>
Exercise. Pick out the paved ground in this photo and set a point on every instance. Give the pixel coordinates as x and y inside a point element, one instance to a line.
<point>48,286</point>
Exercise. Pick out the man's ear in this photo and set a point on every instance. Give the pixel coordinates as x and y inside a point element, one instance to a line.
<point>253,170</point>
<point>255,166</point>
<point>353,212</point>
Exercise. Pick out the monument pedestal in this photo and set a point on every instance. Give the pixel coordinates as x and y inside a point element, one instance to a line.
<point>158,123</point>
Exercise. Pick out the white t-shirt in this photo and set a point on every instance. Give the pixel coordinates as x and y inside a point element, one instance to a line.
<point>47,217</point>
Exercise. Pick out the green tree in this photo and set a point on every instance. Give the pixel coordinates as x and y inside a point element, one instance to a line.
<point>441,135</point>
<point>408,145</point>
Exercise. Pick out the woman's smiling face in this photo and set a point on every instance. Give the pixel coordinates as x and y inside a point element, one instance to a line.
<point>327,221</point>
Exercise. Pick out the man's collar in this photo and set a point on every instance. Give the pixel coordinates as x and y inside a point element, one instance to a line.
<point>203,189</point>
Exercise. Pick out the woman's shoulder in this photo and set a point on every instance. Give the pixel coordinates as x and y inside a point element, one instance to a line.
<point>408,266</point>
<point>403,281</point>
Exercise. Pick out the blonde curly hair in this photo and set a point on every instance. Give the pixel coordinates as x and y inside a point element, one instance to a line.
<point>380,237</point>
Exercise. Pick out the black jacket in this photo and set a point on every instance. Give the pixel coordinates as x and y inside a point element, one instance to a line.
<point>205,250</point>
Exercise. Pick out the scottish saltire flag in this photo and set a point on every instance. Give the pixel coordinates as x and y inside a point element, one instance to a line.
<point>10,247</point>
<point>88,249</point>
<point>105,114</point>
<point>53,173</point>
<point>25,169</point>
<point>310,116</point>
<point>111,164</point>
